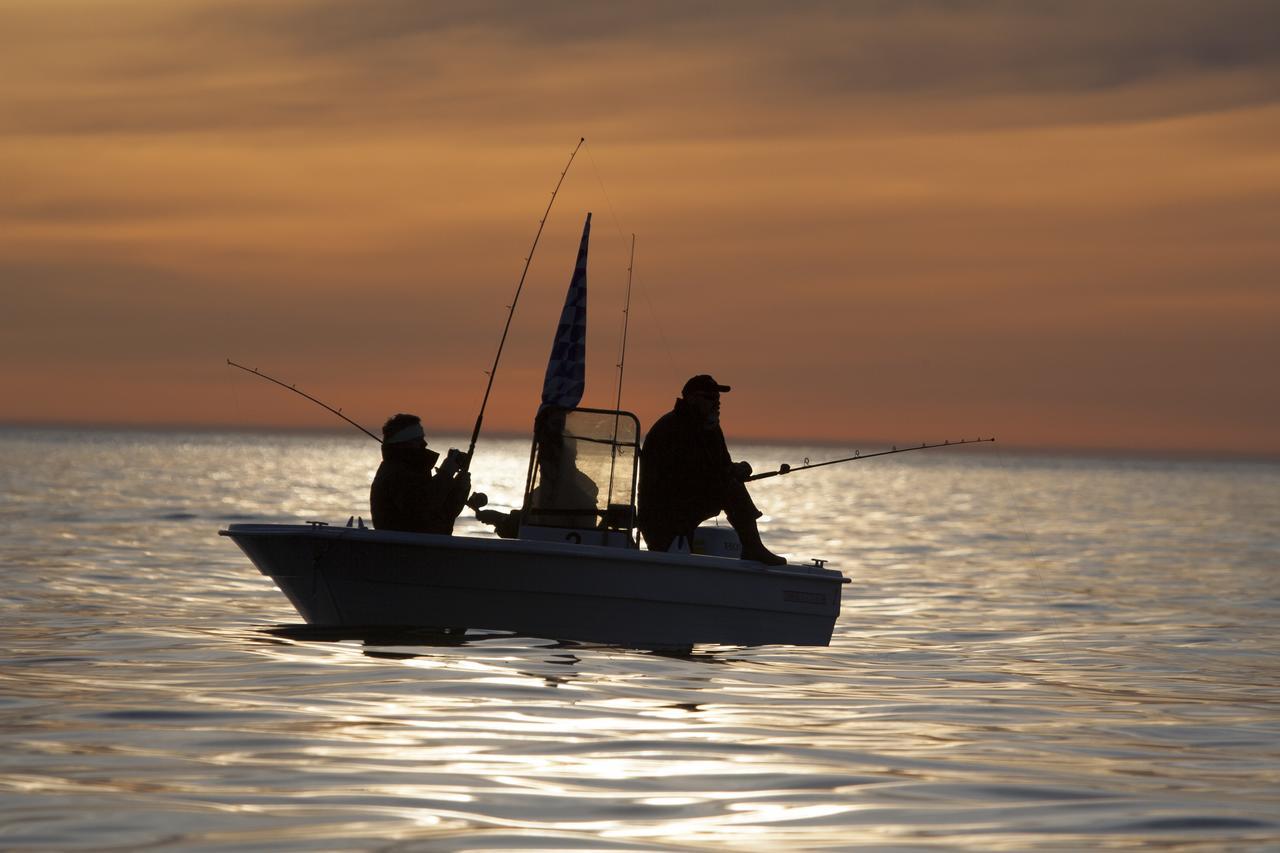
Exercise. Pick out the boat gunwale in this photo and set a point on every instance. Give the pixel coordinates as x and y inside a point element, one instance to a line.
<point>533,547</point>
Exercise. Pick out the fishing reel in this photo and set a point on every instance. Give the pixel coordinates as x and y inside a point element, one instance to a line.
<point>452,463</point>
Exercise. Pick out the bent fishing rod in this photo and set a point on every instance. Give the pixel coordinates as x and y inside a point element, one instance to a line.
<point>787,469</point>
<point>475,433</point>
<point>294,388</point>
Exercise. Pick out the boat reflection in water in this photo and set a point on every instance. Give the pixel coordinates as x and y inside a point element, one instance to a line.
<point>562,577</point>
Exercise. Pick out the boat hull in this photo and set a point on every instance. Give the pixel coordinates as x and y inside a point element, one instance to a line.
<point>360,578</point>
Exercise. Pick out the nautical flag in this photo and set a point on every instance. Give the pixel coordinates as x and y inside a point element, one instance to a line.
<point>567,367</point>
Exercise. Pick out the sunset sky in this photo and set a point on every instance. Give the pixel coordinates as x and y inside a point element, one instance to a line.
<point>912,221</point>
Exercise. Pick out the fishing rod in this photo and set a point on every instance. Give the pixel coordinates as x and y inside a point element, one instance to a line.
<point>787,469</point>
<point>294,388</point>
<point>626,321</point>
<point>622,361</point>
<point>475,433</point>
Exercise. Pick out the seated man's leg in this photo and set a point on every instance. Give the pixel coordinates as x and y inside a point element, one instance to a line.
<point>657,539</point>
<point>738,506</point>
<point>663,537</point>
<point>742,514</point>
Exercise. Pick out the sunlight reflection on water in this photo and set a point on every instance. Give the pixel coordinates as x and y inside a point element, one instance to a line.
<point>1034,653</point>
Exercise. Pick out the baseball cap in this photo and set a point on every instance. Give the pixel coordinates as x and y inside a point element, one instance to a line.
<point>703,383</point>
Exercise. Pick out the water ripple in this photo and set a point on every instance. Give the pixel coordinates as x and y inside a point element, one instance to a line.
<point>1034,654</point>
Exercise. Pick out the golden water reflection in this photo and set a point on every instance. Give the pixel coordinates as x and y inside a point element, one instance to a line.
<point>1046,654</point>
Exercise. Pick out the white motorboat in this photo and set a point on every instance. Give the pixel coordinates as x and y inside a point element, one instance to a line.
<point>562,577</point>
<point>572,568</point>
<point>363,578</point>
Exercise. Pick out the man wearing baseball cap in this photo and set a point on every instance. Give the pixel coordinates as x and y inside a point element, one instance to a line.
<point>687,476</point>
<point>405,494</point>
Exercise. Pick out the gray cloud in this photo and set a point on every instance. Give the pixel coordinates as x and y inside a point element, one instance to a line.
<point>249,66</point>
<point>1000,45</point>
<point>1042,47</point>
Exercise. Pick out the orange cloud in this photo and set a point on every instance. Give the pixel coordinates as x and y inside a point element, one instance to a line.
<point>1048,224</point>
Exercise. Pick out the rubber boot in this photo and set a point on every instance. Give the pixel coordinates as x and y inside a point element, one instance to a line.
<point>752,547</point>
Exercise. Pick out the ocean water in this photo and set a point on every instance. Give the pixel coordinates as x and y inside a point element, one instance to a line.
<point>1035,653</point>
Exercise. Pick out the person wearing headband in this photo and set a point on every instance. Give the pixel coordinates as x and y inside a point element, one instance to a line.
<point>405,494</point>
<point>687,476</point>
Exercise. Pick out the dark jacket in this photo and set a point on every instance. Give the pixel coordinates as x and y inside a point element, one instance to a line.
<point>684,474</point>
<point>406,496</point>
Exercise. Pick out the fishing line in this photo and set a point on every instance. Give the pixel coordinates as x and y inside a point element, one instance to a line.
<point>608,201</point>
<point>1037,560</point>
<point>1023,527</point>
<point>235,402</point>
<point>662,335</point>
<point>626,311</point>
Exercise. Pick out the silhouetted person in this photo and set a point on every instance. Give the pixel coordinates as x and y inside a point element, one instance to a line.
<point>687,476</point>
<point>405,494</point>
<point>564,496</point>
<point>562,486</point>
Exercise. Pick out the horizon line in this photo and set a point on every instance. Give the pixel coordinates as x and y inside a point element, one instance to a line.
<point>875,443</point>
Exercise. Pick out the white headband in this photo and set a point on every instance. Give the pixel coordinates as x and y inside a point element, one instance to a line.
<point>409,433</point>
